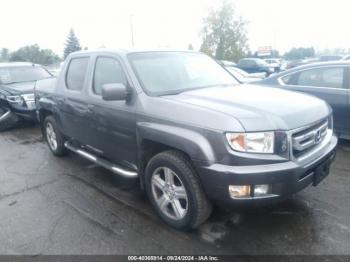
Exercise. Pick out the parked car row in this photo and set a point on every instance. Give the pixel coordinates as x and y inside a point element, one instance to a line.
<point>255,65</point>
<point>252,65</point>
<point>186,129</point>
<point>243,76</point>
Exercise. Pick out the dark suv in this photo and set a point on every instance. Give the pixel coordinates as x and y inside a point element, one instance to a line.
<point>17,82</point>
<point>184,127</point>
<point>255,65</point>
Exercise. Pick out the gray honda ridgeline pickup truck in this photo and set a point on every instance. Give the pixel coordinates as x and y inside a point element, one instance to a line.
<point>187,129</point>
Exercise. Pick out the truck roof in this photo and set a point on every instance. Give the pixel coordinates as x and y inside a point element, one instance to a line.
<point>129,51</point>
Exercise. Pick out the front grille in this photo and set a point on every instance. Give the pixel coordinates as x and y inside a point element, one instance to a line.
<point>306,139</point>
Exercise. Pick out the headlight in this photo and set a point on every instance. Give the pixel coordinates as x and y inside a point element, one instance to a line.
<point>262,142</point>
<point>25,100</point>
<point>28,97</point>
<point>15,99</point>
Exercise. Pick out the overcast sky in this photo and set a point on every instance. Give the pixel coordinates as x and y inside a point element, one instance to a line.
<point>170,23</point>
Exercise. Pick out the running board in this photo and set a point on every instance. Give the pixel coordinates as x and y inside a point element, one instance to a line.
<point>101,162</point>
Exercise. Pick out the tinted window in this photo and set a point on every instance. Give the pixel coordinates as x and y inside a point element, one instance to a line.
<point>107,71</point>
<point>322,77</point>
<point>76,73</point>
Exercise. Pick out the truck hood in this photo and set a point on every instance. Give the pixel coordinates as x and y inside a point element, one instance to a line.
<point>249,79</point>
<point>259,108</point>
<point>18,88</point>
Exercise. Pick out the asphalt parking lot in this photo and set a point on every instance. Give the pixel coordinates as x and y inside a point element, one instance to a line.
<point>52,205</point>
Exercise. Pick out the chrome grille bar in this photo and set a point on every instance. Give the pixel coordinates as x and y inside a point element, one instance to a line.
<point>303,141</point>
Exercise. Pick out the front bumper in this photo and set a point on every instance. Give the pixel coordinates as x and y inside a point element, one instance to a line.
<point>285,179</point>
<point>26,114</point>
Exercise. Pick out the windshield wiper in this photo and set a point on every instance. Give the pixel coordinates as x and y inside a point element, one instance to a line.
<point>180,91</point>
<point>203,87</point>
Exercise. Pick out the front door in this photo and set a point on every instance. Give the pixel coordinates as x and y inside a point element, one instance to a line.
<point>114,121</point>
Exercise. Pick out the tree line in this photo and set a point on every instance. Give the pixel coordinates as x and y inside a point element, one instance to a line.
<point>224,37</point>
<point>37,55</point>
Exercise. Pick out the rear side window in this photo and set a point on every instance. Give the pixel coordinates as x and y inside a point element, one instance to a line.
<point>322,77</point>
<point>107,71</point>
<point>76,73</point>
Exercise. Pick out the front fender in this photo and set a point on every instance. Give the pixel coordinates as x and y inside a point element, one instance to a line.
<point>191,142</point>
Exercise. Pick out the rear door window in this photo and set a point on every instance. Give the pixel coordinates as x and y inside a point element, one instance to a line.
<point>322,77</point>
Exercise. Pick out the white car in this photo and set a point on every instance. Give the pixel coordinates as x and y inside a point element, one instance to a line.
<point>274,63</point>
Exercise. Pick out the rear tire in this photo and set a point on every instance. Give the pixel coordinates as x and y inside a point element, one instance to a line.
<point>54,137</point>
<point>175,192</point>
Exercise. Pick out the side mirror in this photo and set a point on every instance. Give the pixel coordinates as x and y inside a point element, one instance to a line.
<point>114,92</point>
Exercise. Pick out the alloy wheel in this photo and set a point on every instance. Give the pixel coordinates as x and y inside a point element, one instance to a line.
<point>169,193</point>
<point>51,136</point>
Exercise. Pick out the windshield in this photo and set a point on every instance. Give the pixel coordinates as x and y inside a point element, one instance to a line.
<point>174,72</point>
<point>10,75</point>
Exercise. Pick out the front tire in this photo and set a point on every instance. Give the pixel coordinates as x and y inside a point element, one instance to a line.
<point>175,192</point>
<point>54,137</point>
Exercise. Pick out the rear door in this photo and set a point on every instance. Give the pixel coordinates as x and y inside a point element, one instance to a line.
<point>328,83</point>
<point>72,102</point>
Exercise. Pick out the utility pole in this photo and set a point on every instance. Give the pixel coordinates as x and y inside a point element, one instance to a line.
<point>132,31</point>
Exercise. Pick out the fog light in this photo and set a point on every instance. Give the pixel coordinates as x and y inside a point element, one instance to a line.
<point>260,190</point>
<point>237,191</point>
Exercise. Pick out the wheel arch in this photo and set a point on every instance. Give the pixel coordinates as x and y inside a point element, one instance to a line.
<point>157,138</point>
